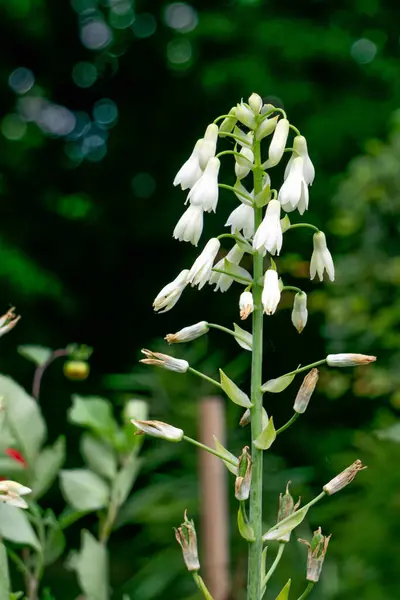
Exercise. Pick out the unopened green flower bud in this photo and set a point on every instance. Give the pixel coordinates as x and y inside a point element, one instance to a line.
<point>266,127</point>
<point>157,359</point>
<point>349,360</point>
<point>344,478</point>
<point>187,539</point>
<point>255,103</point>
<point>286,508</point>
<point>316,554</point>
<point>243,479</point>
<point>158,429</point>
<point>228,123</point>
<point>300,313</point>
<point>187,334</point>
<point>305,392</point>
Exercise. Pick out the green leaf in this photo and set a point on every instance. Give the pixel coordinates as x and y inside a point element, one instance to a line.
<point>125,479</point>
<point>55,539</point>
<point>47,466</point>
<point>244,335</point>
<point>229,456</point>
<point>15,596</point>
<point>94,413</point>
<point>245,529</point>
<point>37,354</point>
<point>24,418</point>
<point>284,594</point>
<point>83,489</point>
<point>234,392</point>
<point>15,527</point>
<point>285,223</point>
<point>99,456</point>
<point>267,437</point>
<point>91,566</point>
<point>4,575</point>
<point>237,273</point>
<point>278,385</point>
<point>286,525</point>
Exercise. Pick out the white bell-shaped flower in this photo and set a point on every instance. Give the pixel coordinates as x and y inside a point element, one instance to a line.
<point>300,149</point>
<point>224,282</point>
<point>299,312</point>
<point>171,293</point>
<point>268,237</point>
<point>200,272</point>
<point>271,293</point>
<point>242,219</point>
<point>294,192</point>
<point>321,259</point>
<point>209,145</point>
<point>190,172</point>
<point>190,225</point>
<point>204,193</point>
<point>278,143</point>
<point>246,304</point>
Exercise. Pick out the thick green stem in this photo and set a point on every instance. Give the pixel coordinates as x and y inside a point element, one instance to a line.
<point>256,547</point>
<point>306,591</point>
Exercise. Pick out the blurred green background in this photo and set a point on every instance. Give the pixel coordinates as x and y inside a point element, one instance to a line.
<point>101,102</point>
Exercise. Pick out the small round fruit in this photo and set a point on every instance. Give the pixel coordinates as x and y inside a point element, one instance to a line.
<point>76,369</point>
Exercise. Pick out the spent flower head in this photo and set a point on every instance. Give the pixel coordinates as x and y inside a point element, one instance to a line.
<point>344,478</point>
<point>8,321</point>
<point>158,429</point>
<point>187,539</point>
<point>316,554</point>
<point>157,359</point>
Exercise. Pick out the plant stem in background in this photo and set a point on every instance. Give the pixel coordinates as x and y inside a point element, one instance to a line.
<point>37,379</point>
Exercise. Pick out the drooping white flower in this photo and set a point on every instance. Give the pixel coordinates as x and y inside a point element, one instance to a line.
<point>204,193</point>
<point>321,259</point>
<point>294,192</point>
<point>299,312</point>
<point>246,304</point>
<point>208,146</point>
<point>271,293</point>
<point>242,219</point>
<point>159,429</point>
<point>158,359</point>
<point>300,149</point>
<point>190,225</point>
<point>349,360</point>
<point>245,115</point>
<point>224,282</point>
<point>268,236</point>
<point>187,334</point>
<point>255,103</point>
<point>243,165</point>
<point>171,293</point>
<point>200,272</point>
<point>278,143</point>
<point>190,172</point>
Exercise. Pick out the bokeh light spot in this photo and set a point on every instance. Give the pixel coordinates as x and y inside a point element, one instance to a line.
<point>105,112</point>
<point>95,34</point>
<point>56,120</point>
<point>363,51</point>
<point>82,125</point>
<point>121,15</point>
<point>74,206</point>
<point>143,185</point>
<point>144,25</point>
<point>84,74</point>
<point>83,6</point>
<point>94,147</point>
<point>21,80</point>
<point>13,127</point>
<point>179,51</point>
<point>181,16</point>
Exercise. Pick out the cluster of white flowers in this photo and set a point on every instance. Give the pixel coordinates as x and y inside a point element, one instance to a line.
<point>199,175</point>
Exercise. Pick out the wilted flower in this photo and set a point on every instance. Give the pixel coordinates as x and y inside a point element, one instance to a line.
<point>278,143</point>
<point>271,294</point>
<point>208,146</point>
<point>316,554</point>
<point>190,225</point>
<point>158,429</point>
<point>200,272</point>
<point>246,304</point>
<point>171,293</point>
<point>305,392</point>
<point>223,282</point>
<point>268,236</point>
<point>187,539</point>
<point>187,334</point>
<point>8,321</point>
<point>299,312</point>
<point>321,258</point>
<point>157,359</point>
<point>190,172</point>
<point>204,193</point>
<point>11,492</point>
<point>344,478</point>
<point>294,192</point>
<point>286,508</point>
<point>243,479</point>
<point>300,149</point>
<point>349,360</point>
<point>242,219</point>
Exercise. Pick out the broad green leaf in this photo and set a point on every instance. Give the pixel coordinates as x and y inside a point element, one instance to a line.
<point>229,456</point>
<point>83,489</point>
<point>24,418</point>
<point>4,575</point>
<point>16,596</point>
<point>267,437</point>
<point>55,539</point>
<point>284,594</point>
<point>15,527</point>
<point>125,479</point>
<point>234,392</point>
<point>264,196</point>
<point>94,413</point>
<point>91,566</point>
<point>99,456</point>
<point>245,529</point>
<point>285,223</point>
<point>37,354</point>
<point>47,466</point>
<point>247,344</point>
<point>286,525</point>
<point>278,385</point>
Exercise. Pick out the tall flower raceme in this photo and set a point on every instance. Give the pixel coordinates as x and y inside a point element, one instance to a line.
<point>257,137</point>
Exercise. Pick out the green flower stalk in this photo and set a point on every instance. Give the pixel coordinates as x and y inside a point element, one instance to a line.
<point>261,136</point>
